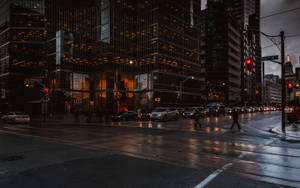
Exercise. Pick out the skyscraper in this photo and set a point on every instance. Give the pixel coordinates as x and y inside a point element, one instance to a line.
<point>247,14</point>
<point>222,54</point>
<point>98,55</point>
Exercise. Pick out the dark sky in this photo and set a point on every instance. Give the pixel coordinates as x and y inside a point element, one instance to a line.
<point>289,22</point>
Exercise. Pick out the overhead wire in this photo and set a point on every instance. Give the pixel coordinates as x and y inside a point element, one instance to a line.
<point>278,13</point>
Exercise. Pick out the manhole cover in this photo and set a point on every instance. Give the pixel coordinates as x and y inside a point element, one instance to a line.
<point>13,158</point>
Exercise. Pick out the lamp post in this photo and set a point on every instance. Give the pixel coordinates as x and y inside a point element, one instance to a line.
<point>181,84</point>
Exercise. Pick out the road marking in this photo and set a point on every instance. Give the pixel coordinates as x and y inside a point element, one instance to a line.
<point>212,176</point>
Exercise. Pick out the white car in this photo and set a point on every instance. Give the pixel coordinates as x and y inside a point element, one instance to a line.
<point>15,117</point>
<point>228,110</point>
<point>249,109</point>
<point>164,114</point>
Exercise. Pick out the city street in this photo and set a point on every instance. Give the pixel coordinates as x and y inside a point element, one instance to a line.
<point>150,154</point>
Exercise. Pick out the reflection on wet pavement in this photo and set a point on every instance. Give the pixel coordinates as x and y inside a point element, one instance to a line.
<point>210,147</point>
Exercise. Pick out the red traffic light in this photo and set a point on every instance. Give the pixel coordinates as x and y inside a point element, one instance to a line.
<point>248,64</point>
<point>290,85</point>
<point>125,82</point>
<point>46,90</point>
<point>249,61</point>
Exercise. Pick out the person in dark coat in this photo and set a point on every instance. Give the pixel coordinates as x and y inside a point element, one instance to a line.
<point>235,116</point>
<point>197,118</point>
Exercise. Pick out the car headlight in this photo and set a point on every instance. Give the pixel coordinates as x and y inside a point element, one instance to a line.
<point>192,114</point>
<point>159,115</point>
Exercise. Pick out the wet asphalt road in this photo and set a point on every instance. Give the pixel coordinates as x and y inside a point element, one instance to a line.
<point>150,154</point>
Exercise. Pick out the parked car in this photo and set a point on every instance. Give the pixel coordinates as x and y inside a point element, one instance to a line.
<point>189,112</point>
<point>228,110</point>
<point>15,117</point>
<point>243,109</point>
<point>294,116</point>
<point>217,110</point>
<point>145,115</point>
<point>249,109</point>
<point>180,112</point>
<point>206,111</point>
<point>128,115</point>
<point>239,109</point>
<point>257,109</point>
<point>164,114</point>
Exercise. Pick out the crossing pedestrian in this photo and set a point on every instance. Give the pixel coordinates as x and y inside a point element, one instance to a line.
<point>197,118</point>
<point>235,116</point>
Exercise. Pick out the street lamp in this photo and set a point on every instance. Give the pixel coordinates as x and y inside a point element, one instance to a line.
<point>181,84</point>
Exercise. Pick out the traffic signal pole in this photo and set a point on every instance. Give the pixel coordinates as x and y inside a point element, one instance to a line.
<point>283,81</point>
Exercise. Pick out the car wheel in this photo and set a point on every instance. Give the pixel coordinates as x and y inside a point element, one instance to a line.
<point>165,118</point>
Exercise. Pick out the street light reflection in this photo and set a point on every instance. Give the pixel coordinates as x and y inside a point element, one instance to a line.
<point>158,125</point>
<point>208,119</point>
<point>207,129</point>
<point>207,142</point>
<point>217,119</point>
<point>150,125</point>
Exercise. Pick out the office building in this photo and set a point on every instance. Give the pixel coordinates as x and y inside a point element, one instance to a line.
<point>100,56</point>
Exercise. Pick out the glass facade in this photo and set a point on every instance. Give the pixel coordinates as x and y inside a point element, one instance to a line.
<point>87,48</point>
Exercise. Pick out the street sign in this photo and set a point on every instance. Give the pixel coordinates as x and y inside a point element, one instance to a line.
<point>297,93</point>
<point>269,58</point>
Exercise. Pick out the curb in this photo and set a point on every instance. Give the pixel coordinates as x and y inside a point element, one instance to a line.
<point>285,136</point>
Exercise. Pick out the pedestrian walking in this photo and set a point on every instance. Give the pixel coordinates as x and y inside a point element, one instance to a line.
<point>235,116</point>
<point>197,118</point>
<point>139,114</point>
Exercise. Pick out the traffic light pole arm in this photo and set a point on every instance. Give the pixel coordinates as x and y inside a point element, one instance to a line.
<point>276,62</point>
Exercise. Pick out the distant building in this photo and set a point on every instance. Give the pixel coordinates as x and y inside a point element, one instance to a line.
<point>272,89</point>
<point>222,54</point>
<point>290,77</point>
<point>243,16</point>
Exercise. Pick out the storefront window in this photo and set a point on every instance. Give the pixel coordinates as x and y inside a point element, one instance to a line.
<point>79,82</point>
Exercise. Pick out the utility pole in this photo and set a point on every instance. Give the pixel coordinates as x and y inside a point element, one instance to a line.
<point>283,81</point>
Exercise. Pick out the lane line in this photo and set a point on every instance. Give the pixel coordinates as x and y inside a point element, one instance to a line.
<point>212,176</point>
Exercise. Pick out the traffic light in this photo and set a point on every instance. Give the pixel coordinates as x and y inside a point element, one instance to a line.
<point>257,91</point>
<point>290,87</point>
<point>46,90</point>
<point>27,82</point>
<point>248,64</point>
<point>123,84</point>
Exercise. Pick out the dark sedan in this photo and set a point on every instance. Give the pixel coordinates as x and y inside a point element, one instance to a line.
<point>125,116</point>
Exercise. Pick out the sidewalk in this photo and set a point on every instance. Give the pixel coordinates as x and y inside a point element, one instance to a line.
<point>65,120</point>
<point>292,133</point>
